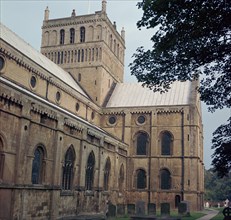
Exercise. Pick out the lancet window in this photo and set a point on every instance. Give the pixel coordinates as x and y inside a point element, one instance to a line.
<point>38,166</point>
<point>90,171</point>
<point>68,169</point>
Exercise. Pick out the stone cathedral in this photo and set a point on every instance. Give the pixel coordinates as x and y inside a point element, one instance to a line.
<point>75,137</point>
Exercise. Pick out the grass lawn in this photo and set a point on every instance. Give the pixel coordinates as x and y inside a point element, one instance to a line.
<point>193,216</point>
<point>219,216</point>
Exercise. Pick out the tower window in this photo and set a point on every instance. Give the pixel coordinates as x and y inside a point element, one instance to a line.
<point>82,34</point>
<point>78,55</point>
<point>90,171</point>
<point>68,165</point>
<point>62,36</point>
<point>93,113</point>
<point>37,166</point>
<point>72,35</point>
<point>79,77</point>
<point>82,55</point>
<point>111,41</point>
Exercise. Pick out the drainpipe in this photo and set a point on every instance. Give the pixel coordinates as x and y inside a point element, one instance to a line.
<point>123,126</point>
<point>182,153</point>
<point>47,88</point>
<point>149,162</point>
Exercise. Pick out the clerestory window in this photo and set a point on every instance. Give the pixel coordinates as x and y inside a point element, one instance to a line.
<point>141,179</point>
<point>165,179</point>
<point>166,143</point>
<point>141,143</point>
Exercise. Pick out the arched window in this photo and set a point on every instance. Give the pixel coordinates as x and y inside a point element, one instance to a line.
<point>177,201</point>
<point>38,166</point>
<point>46,38</point>
<point>165,179</point>
<point>111,40</point>
<point>141,143</point>
<point>62,36</point>
<point>114,46</point>
<point>82,55</point>
<point>141,179</point>
<point>61,61</point>
<point>72,35</point>
<point>90,171</point>
<point>79,55</point>
<point>68,168</point>
<point>107,170</point>
<point>58,59</point>
<point>82,34</point>
<point>166,143</point>
<point>121,178</point>
<point>2,158</point>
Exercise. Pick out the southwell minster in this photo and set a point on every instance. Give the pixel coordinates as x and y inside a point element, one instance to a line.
<point>75,137</point>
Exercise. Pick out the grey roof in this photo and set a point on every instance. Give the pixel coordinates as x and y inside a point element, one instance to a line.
<point>15,41</point>
<point>135,95</point>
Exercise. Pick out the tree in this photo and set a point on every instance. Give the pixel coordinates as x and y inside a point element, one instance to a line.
<point>217,189</point>
<point>222,144</point>
<point>192,39</point>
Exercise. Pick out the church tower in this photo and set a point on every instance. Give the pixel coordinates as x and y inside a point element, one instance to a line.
<point>89,47</point>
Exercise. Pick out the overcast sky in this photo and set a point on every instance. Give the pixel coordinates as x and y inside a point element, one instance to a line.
<point>25,19</point>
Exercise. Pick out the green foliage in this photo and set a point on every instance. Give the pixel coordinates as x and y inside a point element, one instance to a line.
<point>192,38</point>
<point>222,144</point>
<point>217,189</point>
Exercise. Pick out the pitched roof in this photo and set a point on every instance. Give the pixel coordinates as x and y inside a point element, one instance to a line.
<point>15,41</point>
<point>135,95</point>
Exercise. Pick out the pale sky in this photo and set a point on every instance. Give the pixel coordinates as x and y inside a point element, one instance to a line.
<point>25,19</point>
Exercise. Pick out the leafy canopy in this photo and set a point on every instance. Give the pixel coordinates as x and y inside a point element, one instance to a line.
<point>222,149</point>
<point>193,38</point>
<point>217,189</point>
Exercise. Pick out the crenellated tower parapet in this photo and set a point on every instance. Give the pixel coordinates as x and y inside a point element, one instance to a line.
<point>89,47</point>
